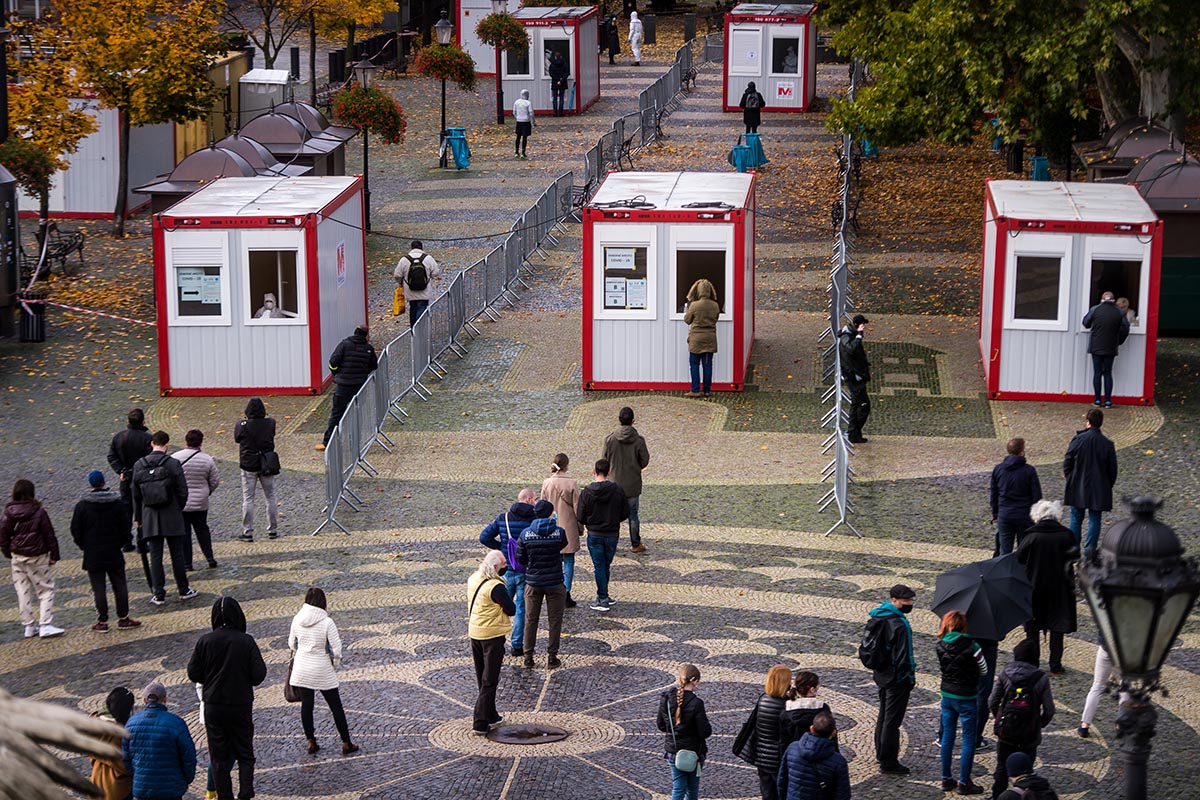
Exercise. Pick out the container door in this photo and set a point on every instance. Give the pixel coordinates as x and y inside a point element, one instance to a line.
<point>784,85</point>
<point>1121,265</point>
<point>695,253</point>
<point>554,40</point>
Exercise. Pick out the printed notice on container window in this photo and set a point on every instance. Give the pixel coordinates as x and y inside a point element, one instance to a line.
<point>635,293</point>
<point>619,258</point>
<point>625,276</point>
<point>614,292</point>
<point>190,282</point>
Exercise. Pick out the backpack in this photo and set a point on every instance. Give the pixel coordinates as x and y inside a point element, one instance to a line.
<point>156,487</point>
<point>752,100</point>
<point>510,553</point>
<point>418,276</point>
<point>874,652</point>
<point>1030,794</point>
<point>1019,719</point>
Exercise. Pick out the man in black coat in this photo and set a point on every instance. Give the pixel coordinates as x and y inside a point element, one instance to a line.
<point>540,551</point>
<point>601,507</point>
<point>159,494</point>
<point>352,362</point>
<point>1090,471</point>
<point>228,664</point>
<point>124,451</point>
<point>897,681</point>
<point>856,372</point>
<point>1110,328</point>
<point>1015,488</point>
<point>1047,550</point>
<point>100,528</point>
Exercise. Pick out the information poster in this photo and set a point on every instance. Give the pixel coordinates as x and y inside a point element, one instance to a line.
<point>614,292</point>
<point>635,293</point>
<point>191,281</point>
<point>625,278</point>
<point>341,264</point>
<point>619,258</point>
<point>210,289</point>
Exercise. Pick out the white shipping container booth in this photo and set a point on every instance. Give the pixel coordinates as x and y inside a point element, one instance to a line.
<point>1050,250</point>
<point>470,12</point>
<point>647,237</point>
<point>776,47</point>
<point>220,252</point>
<point>569,30</point>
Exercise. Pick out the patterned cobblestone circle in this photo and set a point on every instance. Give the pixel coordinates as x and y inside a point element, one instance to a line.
<point>587,735</point>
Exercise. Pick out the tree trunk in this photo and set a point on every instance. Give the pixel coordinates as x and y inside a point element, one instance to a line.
<point>122,176</point>
<point>1158,85</point>
<point>351,29</point>
<point>312,58</point>
<point>1112,100</point>
<point>43,217</point>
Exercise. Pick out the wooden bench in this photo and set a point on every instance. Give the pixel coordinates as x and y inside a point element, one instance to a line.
<point>60,245</point>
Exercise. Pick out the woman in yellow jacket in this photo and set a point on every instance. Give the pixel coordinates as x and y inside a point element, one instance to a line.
<point>110,775</point>
<point>489,623</point>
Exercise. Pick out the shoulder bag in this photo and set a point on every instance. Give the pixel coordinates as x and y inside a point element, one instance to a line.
<point>746,745</point>
<point>685,760</point>
<point>289,692</point>
<point>511,548</point>
<point>268,463</point>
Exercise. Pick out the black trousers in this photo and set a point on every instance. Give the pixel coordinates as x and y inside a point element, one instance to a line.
<point>120,587</point>
<point>342,396</point>
<point>230,732</point>
<point>334,700</point>
<point>767,784</point>
<point>1056,645</point>
<point>488,655</point>
<point>1003,751</point>
<point>860,408</point>
<point>893,704</point>
<point>556,599</point>
<point>177,545</point>
<point>197,522</point>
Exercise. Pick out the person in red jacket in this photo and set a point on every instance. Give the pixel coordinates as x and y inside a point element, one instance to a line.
<point>27,539</point>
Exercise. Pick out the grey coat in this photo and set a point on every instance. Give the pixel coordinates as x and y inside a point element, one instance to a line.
<point>200,471</point>
<point>168,520</point>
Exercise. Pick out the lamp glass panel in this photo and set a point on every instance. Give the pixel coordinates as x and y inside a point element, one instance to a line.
<point>1132,620</point>
<point>1173,611</point>
<point>1102,620</point>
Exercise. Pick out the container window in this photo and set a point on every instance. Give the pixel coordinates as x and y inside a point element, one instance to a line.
<point>198,292</point>
<point>516,65</point>
<point>1122,277</point>
<point>625,279</point>
<point>273,285</point>
<point>1038,284</point>
<point>785,56</point>
<point>691,266</point>
<point>549,48</point>
<point>745,51</point>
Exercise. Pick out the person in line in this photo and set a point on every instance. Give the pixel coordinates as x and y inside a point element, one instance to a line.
<point>159,751</point>
<point>1130,314</point>
<point>203,478</point>
<point>506,528</point>
<point>856,372</point>
<point>27,540</point>
<point>1027,784</point>
<point>100,529</point>
<point>961,662</point>
<point>539,550</point>
<point>416,272</point>
<point>1022,705</point>
<point>255,435</point>
<point>801,708</point>
<point>768,738</point>
<point>701,317</point>
<point>560,75</point>
<point>228,664</point>
<point>489,623</point>
<point>125,449</point>
<point>813,768</point>
<point>1089,472</point>
<point>352,362</point>
<point>637,34</point>
<point>1109,329</point>
<point>563,491</point>
<point>602,506</point>
<point>110,775</point>
<point>523,115</point>
<point>752,104</point>
<point>1048,552</point>
<point>1102,672</point>
<point>896,682</point>
<point>1015,488</point>
<point>317,652</point>
<point>159,494</point>
<point>682,718</point>
<point>627,455</point>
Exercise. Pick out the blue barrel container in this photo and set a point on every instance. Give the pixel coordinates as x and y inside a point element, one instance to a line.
<point>755,145</point>
<point>456,140</point>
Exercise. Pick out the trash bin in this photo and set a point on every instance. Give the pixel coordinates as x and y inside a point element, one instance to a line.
<point>33,315</point>
<point>1015,156</point>
<point>689,27</point>
<point>456,140</point>
<point>648,26</point>
<point>1039,168</point>
<point>758,157</point>
<point>742,157</point>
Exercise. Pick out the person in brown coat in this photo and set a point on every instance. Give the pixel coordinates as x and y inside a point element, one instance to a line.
<point>111,775</point>
<point>563,491</point>
<point>701,316</point>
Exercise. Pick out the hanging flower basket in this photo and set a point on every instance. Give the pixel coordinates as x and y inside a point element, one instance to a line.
<point>448,61</point>
<point>29,164</point>
<point>371,110</point>
<point>501,30</point>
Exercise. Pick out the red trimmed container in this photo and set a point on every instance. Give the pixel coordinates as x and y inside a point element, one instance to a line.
<point>776,47</point>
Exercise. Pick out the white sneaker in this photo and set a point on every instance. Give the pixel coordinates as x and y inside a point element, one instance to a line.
<point>31,631</point>
<point>47,631</point>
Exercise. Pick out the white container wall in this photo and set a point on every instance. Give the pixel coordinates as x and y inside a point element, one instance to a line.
<point>470,12</point>
<point>775,46</point>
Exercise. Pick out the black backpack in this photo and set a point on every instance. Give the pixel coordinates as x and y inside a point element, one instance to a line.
<point>156,488</point>
<point>1019,720</point>
<point>874,652</point>
<point>752,100</point>
<point>418,277</point>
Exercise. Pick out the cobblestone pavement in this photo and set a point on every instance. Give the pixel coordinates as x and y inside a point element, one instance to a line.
<point>736,578</point>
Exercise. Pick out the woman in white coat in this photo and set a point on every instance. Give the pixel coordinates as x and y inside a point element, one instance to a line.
<point>317,650</point>
<point>637,35</point>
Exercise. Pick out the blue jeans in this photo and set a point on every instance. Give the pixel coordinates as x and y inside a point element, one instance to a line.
<point>515,581</point>
<point>952,711</point>
<point>602,550</point>
<point>696,361</point>
<point>568,571</point>
<point>635,524</point>
<point>1009,533</point>
<point>1093,531</point>
<point>683,784</point>
<point>1102,369</point>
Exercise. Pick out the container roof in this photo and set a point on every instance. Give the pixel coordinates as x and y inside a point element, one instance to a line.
<point>772,10</point>
<point>273,76</point>
<point>314,121</point>
<point>283,134</point>
<point>1169,180</point>
<point>550,12</point>
<point>1075,202</point>
<point>675,191</point>
<point>260,197</point>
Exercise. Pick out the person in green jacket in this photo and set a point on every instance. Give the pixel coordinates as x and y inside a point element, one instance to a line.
<point>701,317</point>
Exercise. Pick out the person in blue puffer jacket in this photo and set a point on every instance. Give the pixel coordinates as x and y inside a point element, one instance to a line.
<point>511,524</point>
<point>812,768</point>
<point>159,751</point>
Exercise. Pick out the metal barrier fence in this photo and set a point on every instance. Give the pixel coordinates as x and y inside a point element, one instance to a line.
<point>714,48</point>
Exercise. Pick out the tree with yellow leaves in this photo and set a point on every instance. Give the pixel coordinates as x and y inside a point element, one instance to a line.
<point>343,17</point>
<point>148,59</point>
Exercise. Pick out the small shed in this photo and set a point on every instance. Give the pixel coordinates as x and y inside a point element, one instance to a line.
<point>1050,250</point>
<point>220,253</point>
<point>572,31</point>
<point>1124,147</point>
<point>260,90</point>
<point>289,141</point>
<point>776,47</point>
<point>647,237</point>
<point>320,128</point>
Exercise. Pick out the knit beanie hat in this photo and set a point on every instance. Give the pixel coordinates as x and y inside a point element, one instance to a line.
<point>1019,764</point>
<point>1026,650</point>
<point>543,509</point>
<point>96,479</point>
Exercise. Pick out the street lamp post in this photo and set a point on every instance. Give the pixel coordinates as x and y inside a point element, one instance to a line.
<point>1140,589</point>
<point>499,7</point>
<point>444,29</point>
<point>364,70</point>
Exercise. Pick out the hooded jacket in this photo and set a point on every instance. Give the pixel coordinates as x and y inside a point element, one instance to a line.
<point>1047,551</point>
<point>164,520</point>
<point>353,361</point>
<point>752,116</point>
<point>315,640</point>
<point>1109,329</point>
<point>254,434</point>
<point>160,753</point>
<point>227,661</point>
<point>627,456</point>
<point>100,528</point>
<point>797,717</point>
<point>602,506</point>
<point>900,644</point>
<point>693,728</point>
<point>1030,787</point>
<point>511,523</point>
<point>1015,488</point>
<point>702,315</point>
<point>813,769</point>
<point>26,530</point>
<point>959,657</point>
<point>126,448</point>
<point>558,71</point>
<point>1018,672</point>
<point>540,550</point>
<point>1090,470</point>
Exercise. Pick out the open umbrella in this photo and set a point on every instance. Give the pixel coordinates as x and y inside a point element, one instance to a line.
<point>995,595</point>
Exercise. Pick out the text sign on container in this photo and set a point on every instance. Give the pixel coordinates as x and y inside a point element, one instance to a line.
<point>619,258</point>
<point>190,280</point>
<point>341,264</point>
<point>785,90</point>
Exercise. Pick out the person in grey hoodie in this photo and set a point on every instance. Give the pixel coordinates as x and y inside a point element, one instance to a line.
<point>627,455</point>
<point>200,471</point>
<point>1020,676</point>
<point>100,528</point>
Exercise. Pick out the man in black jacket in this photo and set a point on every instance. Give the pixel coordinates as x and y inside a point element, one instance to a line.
<point>100,528</point>
<point>124,451</point>
<point>159,494</point>
<point>559,73</point>
<point>540,550</point>
<point>255,435</point>
<point>1090,472</point>
<point>1015,488</point>
<point>228,664</point>
<point>897,681</point>
<point>1110,328</point>
<point>856,372</point>
<point>601,508</point>
<point>352,362</point>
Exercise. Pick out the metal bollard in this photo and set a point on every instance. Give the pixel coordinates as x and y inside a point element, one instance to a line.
<point>689,27</point>
<point>648,23</point>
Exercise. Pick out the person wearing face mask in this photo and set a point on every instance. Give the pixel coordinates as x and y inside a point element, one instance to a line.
<point>489,623</point>
<point>896,680</point>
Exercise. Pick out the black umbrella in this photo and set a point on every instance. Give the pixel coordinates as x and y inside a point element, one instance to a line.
<point>995,595</point>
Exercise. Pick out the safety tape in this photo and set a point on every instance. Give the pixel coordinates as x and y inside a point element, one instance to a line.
<point>26,303</point>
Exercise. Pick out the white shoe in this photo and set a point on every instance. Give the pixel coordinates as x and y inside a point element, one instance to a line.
<point>31,631</point>
<point>47,631</point>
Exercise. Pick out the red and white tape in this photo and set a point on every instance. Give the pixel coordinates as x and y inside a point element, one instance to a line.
<point>26,303</point>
